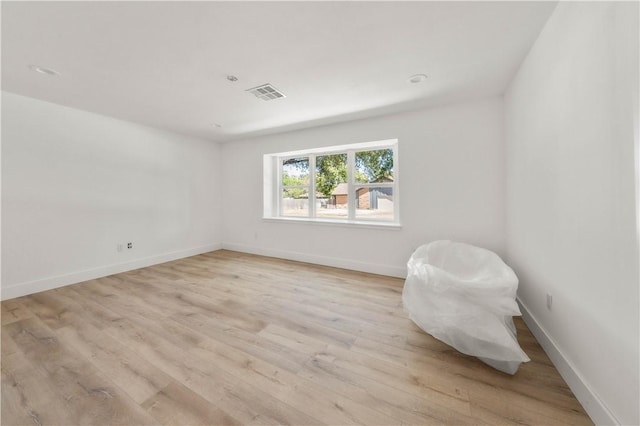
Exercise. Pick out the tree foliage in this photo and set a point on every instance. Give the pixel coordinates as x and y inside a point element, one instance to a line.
<point>296,180</point>
<point>374,166</point>
<point>371,166</point>
<point>332,170</point>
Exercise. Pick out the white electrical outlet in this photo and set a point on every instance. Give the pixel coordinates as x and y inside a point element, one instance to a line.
<point>119,247</point>
<point>549,301</point>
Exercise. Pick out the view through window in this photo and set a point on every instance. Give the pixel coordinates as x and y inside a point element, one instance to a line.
<point>347,183</point>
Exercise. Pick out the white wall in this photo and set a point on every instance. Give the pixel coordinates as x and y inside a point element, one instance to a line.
<point>571,207</point>
<point>76,184</point>
<point>452,185</point>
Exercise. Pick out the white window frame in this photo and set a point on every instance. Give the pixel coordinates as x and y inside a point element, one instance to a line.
<point>273,187</point>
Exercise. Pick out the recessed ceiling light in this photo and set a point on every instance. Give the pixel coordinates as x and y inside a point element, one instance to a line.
<point>42,70</point>
<point>232,78</point>
<point>418,78</point>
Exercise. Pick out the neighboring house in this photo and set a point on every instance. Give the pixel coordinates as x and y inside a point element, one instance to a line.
<point>339,196</point>
<point>370,198</point>
<point>366,198</point>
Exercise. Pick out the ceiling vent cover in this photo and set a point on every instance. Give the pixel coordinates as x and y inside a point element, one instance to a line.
<point>266,92</point>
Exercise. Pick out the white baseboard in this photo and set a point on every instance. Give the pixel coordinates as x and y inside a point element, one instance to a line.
<point>354,265</point>
<point>30,287</point>
<point>593,405</point>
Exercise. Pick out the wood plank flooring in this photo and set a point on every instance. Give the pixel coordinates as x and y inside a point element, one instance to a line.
<point>231,338</point>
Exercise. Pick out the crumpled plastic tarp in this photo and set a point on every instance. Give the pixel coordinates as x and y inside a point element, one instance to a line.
<point>465,296</point>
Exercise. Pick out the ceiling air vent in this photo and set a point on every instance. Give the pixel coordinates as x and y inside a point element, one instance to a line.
<point>266,92</point>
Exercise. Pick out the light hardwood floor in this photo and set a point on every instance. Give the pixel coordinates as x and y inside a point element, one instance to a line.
<point>231,338</point>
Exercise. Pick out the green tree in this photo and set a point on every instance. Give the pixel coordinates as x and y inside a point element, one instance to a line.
<point>374,166</point>
<point>332,170</point>
<point>371,166</point>
<point>289,180</point>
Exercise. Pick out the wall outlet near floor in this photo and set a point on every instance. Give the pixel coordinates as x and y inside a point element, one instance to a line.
<point>119,247</point>
<point>129,245</point>
<point>549,301</point>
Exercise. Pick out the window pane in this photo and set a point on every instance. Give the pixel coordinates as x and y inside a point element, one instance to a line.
<point>331,186</point>
<point>295,171</point>
<point>374,166</point>
<point>374,203</point>
<point>295,202</point>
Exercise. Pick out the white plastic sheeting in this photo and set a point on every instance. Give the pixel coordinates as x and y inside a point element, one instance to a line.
<point>465,296</point>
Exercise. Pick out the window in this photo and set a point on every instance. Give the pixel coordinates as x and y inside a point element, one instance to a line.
<point>355,183</point>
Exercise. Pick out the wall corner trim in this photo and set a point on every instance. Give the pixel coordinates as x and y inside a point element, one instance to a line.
<point>593,405</point>
<point>49,283</point>
<point>388,270</point>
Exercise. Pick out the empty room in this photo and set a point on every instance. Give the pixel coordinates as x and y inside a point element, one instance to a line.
<point>320,213</point>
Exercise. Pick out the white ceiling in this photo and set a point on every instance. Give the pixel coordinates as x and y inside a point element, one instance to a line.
<point>164,64</point>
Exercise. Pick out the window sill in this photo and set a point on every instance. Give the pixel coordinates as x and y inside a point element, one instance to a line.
<point>333,222</point>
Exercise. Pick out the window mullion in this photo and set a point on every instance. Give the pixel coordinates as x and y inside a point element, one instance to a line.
<point>312,185</point>
<point>351,197</point>
<point>280,187</point>
<point>396,179</point>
